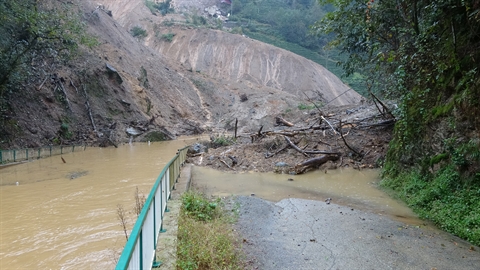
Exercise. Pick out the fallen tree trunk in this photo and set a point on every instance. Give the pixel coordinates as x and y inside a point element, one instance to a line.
<point>313,163</point>
<point>294,146</point>
<point>280,121</point>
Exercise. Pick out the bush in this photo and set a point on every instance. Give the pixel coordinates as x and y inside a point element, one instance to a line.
<point>138,32</point>
<point>168,37</point>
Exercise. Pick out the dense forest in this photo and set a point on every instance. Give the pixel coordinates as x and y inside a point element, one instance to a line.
<point>426,55</point>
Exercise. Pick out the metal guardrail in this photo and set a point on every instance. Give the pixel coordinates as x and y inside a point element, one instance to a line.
<point>17,155</point>
<point>139,252</point>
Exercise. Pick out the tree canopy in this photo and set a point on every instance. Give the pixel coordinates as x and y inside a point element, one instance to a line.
<point>32,32</point>
<point>426,55</point>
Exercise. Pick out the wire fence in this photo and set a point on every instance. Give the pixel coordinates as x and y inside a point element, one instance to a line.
<point>19,155</point>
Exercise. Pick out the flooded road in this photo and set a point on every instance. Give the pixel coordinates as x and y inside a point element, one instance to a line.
<point>63,215</point>
<point>347,187</point>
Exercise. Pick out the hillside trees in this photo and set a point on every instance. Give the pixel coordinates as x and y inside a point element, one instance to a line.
<point>33,34</point>
<point>426,54</point>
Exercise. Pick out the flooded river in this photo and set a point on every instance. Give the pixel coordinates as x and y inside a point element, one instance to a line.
<point>63,215</point>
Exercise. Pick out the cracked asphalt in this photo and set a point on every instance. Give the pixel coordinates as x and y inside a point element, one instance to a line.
<point>304,234</point>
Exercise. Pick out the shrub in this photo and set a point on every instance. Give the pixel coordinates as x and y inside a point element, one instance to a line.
<point>138,32</point>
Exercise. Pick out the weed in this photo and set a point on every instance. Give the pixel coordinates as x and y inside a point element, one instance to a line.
<point>446,198</point>
<point>221,140</point>
<point>205,235</point>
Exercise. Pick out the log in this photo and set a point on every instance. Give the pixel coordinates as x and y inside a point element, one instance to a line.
<point>334,131</point>
<point>345,142</point>
<point>236,124</point>
<point>313,163</point>
<point>280,121</point>
<point>87,105</point>
<point>294,146</point>
<point>268,155</point>
<point>234,160</point>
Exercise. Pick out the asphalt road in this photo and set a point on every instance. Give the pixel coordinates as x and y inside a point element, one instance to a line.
<point>304,234</point>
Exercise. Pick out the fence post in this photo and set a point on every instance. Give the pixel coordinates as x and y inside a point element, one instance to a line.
<point>14,155</point>
<point>26,153</point>
<point>50,150</point>
<point>1,157</point>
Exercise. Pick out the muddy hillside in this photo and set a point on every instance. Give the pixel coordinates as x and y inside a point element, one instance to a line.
<point>150,88</point>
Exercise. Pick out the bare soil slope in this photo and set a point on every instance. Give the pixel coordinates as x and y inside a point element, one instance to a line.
<point>151,88</point>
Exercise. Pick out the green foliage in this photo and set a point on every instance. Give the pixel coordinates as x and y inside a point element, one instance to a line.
<point>163,7</point>
<point>287,24</point>
<point>205,238</point>
<point>221,140</point>
<point>138,32</point>
<point>302,106</point>
<point>155,136</point>
<point>168,37</point>
<point>443,198</point>
<point>197,206</point>
<point>33,32</point>
<point>198,20</point>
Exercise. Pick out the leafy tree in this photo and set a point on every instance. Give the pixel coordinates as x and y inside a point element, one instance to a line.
<point>426,54</point>
<point>32,32</point>
<point>423,52</point>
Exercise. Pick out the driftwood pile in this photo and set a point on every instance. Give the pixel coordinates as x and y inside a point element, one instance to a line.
<point>332,129</point>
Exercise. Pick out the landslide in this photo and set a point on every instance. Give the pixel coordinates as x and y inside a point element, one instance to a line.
<point>150,88</point>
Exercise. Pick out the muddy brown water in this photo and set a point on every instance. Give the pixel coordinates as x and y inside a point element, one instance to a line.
<point>63,215</point>
<point>348,187</point>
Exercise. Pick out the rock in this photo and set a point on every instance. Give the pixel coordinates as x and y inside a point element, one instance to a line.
<point>133,131</point>
<point>281,164</point>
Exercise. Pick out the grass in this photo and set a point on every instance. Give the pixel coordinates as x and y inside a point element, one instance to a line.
<point>205,235</point>
<point>446,198</point>
<point>221,140</point>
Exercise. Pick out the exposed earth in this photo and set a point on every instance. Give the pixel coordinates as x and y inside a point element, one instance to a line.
<point>347,136</point>
<point>153,88</point>
<point>182,79</point>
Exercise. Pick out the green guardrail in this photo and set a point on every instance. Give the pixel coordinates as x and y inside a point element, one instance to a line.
<point>18,155</point>
<point>139,251</point>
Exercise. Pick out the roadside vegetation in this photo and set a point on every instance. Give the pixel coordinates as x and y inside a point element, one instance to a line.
<point>205,235</point>
<point>35,36</point>
<point>425,55</point>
